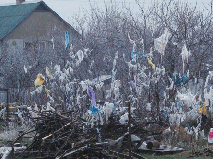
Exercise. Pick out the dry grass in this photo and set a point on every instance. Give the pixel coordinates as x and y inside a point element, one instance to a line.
<point>179,138</point>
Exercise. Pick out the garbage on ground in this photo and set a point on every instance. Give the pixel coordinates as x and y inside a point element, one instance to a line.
<point>55,135</point>
<point>157,148</point>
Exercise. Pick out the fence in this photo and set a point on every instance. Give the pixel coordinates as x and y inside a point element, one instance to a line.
<point>21,95</point>
<point>3,95</point>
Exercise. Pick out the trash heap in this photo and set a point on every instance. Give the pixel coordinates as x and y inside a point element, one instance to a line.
<point>65,135</point>
<point>61,136</point>
<point>55,135</point>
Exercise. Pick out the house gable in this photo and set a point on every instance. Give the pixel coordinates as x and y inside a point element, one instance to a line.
<point>11,16</point>
<point>14,15</point>
<point>39,25</point>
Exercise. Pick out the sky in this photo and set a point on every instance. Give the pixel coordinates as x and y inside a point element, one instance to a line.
<point>68,8</point>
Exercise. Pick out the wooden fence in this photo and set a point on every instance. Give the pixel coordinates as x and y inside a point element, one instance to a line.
<point>21,95</point>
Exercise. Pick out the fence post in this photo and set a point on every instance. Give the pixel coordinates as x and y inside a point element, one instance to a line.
<point>7,106</point>
<point>130,147</point>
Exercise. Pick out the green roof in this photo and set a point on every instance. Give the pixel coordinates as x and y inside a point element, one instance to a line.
<point>11,16</point>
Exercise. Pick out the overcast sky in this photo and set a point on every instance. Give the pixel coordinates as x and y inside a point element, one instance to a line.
<point>67,8</point>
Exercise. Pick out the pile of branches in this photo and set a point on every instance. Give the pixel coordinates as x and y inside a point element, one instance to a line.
<point>58,136</point>
<point>61,136</point>
<point>55,135</point>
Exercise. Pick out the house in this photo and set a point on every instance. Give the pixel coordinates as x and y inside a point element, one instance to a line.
<point>32,36</point>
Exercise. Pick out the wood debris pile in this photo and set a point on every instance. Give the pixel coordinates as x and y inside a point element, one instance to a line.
<point>55,135</point>
<point>59,136</point>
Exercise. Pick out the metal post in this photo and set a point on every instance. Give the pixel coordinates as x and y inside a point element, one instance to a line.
<point>7,106</point>
<point>30,95</point>
<point>129,129</point>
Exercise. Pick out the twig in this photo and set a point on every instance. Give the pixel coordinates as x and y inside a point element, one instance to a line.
<point>44,138</point>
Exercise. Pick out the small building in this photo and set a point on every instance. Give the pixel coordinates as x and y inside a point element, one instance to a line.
<point>32,36</point>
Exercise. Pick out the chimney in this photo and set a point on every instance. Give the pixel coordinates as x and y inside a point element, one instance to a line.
<point>18,2</point>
